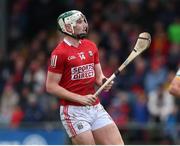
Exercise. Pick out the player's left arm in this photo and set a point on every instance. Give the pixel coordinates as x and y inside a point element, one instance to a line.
<point>99,74</point>
<point>100,78</point>
<point>174,88</point>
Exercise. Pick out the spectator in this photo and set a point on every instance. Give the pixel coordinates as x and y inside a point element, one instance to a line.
<point>140,112</point>
<point>156,75</point>
<point>8,102</point>
<point>160,104</point>
<point>120,108</point>
<point>33,112</point>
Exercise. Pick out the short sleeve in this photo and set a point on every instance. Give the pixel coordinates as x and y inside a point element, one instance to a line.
<point>56,63</point>
<point>96,55</point>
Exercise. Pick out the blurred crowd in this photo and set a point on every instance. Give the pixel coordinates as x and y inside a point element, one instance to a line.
<point>140,93</point>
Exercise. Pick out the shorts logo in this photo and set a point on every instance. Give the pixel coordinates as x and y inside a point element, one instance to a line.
<point>81,55</point>
<point>80,126</point>
<point>82,72</point>
<point>54,60</point>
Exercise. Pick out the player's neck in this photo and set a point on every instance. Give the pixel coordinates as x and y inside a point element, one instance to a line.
<point>72,41</point>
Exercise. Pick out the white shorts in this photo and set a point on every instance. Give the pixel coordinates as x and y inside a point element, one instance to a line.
<point>78,119</point>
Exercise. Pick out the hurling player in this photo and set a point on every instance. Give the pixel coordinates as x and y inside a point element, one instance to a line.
<point>73,71</point>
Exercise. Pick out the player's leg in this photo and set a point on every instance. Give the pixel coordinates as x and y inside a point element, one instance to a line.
<point>108,135</point>
<point>85,138</point>
<point>104,129</point>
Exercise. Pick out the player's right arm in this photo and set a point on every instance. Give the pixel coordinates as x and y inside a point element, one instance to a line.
<point>53,87</point>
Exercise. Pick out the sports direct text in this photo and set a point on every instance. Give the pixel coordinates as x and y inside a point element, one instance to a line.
<point>82,72</point>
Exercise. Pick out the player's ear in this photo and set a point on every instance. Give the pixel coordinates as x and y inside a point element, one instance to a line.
<point>68,28</point>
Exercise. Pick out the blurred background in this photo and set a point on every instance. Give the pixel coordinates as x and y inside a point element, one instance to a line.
<point>139,102</point>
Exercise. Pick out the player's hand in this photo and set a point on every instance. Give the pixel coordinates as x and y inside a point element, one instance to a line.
<point>108,86</point>
<point>87,99</point>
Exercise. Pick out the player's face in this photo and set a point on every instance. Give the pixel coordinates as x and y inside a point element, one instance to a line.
<point>81,26</point>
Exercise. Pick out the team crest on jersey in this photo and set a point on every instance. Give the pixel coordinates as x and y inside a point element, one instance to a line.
<point>53,60</point>
<point>82,56</point>
<point>90,53</point>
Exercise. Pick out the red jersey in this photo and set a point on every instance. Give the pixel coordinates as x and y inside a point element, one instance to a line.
<point>76,66</point>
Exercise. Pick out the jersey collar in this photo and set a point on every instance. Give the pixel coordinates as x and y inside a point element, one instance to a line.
<point>69,43</point>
